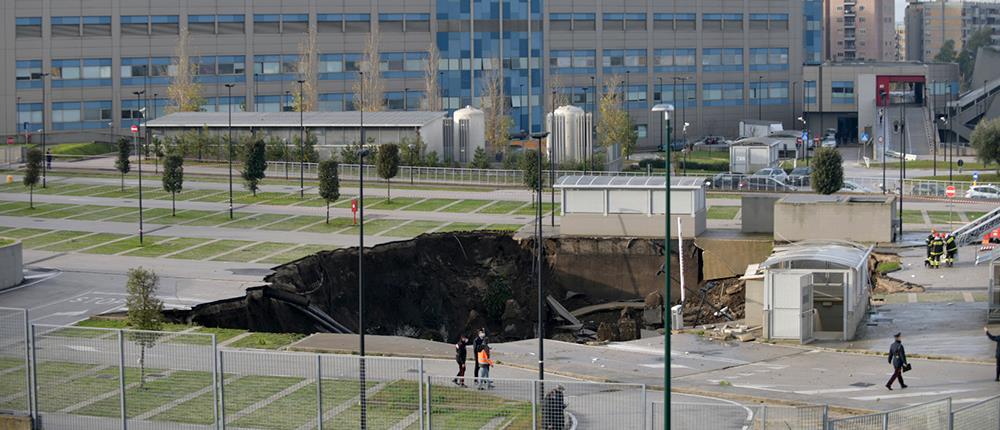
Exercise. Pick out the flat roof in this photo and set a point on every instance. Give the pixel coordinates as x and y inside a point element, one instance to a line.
<point>810,199</point>
<point>393,119</point>
<point>630,182</point>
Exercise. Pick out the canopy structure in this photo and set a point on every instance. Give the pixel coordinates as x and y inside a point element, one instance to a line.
<point>846,255</point>
<point>630,182</point>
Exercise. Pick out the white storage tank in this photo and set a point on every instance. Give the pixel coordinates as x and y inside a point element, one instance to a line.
<point>570,138</point>
<point>469,127</point>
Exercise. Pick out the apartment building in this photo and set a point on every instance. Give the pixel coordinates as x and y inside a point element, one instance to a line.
<point>930,24</point>
<point>717,61</point>
<point>862,30</point>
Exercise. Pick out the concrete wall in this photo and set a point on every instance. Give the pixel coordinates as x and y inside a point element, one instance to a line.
<point>863,222</point>
<point>12,422</point>
<point>727,256</point>
<point>758,213</point>
<point>753,309</point>
<point>11,265</point>
<point>630,225</point>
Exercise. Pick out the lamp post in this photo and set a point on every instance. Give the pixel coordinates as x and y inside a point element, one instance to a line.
<point>44,129</point>
<point>552,164</point>
<point>229,103</point>
<point>362,153</point>
<point>927,98</point>
<point>665,110</point>
<point>539,249</point>
<point>412,148</point>
<point>760,100</point>
<point>883,117</point>
<point>805,142</point>
<point>406,93</point>
<point>593,125</point>
<point>302,141</point>
<point>138,153</point>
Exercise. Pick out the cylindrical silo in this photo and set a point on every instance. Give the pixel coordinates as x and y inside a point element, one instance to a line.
<point>470,133</point>
<point>570,136</point>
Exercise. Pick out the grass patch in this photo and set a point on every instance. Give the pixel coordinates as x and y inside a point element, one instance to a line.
<point>23,233</point>
<point>218,218</point>
<point>255,252</point>
<point>414,228</point>
<point>222,196</point>
<point>5,242</point>
<point>83,149</point>
<point>390,405</point>
<point>109,212</point>
<point>27,211</point>
<point>430,205</point>
<point>121,324</point>
<point>118,193</point>
<point>460,226</point>
<point>297,253</point>
<point>888,266</point>
<point>501,207</point>
<point>240,393</point>
<point>465,408</point>
<point>256,221</point>
<point>335,225</point>
<point>165,247</point>
<point>378,226</point>
<point>294,223</point>
<point>465,206</point>
<point>249,198</point>
<point>972,216</point>
<point>296,409</point>
<point>125,245</point>
<point>51,237</point>
<point>221,334</point>
<point>913,217</point>
<point>288,199</point>
<point>182,216</point>
<point>530,209</point>
<point>722,212</point>
<point>267,340</point>
<point>71,210</point>
<point>133,217</point>
<point>210,250</point>
<point>938,217</point>
<point>187,195</point>
<point>158,390</point>
<point>82,242</point>
<point>503,227</point>
<point>394,204</point>
<point>9,206</point>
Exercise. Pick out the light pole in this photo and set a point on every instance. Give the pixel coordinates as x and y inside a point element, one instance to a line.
<point>662,101</point>
<point>760,100</point>
<point>44,129</point>
<point>406,94</point>
<point>539,250</point>
<point>883,117</point>
<point>229,103</point>
<point>805,142</point>
<point>552,164</point>
<point>138,153</point>
<point>928,95</point>
<point>665,110</point>
<point>256,91</point>
<point>593,124</point>
<point>412,148</point>
<point>792,110</point>
<point>362,153</point>
<point>302,141</point>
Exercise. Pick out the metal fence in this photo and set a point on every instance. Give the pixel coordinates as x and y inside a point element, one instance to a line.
<point>710,416</point>
<point>982,415</point>
<point>935,415</point>
<point>15,372</point>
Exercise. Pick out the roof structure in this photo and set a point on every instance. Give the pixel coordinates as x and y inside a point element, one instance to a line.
<point>629,182</point>
<point>845,254</point>
<point>394,119</point>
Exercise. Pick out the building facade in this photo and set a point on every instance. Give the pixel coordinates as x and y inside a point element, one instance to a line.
<point>860,30</point>
<point>717,61</point>
<point>930,24</point>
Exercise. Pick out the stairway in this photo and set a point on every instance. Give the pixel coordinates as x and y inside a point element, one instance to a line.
<point>974,231</point>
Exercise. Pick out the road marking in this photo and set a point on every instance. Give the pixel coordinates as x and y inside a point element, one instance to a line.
<point>907,395</point>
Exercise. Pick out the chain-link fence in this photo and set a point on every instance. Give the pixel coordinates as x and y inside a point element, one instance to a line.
<point>935,415</point>
<point>982,415</point>
<point>15,372</point>
<point>722,416</point>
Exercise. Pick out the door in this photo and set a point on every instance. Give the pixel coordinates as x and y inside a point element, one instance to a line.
<point>808,315</point>
<point>785,297</point>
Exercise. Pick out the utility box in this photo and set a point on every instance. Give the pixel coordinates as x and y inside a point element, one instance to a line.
<point>747,156</point>
<point>752,128</point>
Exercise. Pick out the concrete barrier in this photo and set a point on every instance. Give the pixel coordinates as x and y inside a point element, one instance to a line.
<point>11,265</point>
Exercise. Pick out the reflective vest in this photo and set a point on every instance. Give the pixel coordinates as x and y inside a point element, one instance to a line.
<point>483,358</point>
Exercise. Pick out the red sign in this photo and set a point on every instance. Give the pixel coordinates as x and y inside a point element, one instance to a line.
<point>950,191</point>
<point>354,209</point>
<point>135,128</point>
<point>798,142</point>
<point>10,140</point>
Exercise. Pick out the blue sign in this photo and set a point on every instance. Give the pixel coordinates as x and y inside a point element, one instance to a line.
<point>26,126</point>
<point>864,137</point>
<point>805,135</point>
<point>975,176</point>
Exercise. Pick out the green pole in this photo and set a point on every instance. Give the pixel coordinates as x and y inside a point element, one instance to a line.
<point>666,283</point>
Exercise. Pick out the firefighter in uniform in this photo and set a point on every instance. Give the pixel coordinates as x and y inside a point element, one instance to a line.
<point>937,249</point>
<point>927,243</point>
<point>951,249</point>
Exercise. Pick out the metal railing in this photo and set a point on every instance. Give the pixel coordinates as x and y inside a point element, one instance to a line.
<point>708,416</point>
<point>982,415</point>
<point>934,415</point>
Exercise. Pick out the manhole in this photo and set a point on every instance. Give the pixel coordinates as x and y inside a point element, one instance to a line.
<point>250,272</point>
<point>862,384</point>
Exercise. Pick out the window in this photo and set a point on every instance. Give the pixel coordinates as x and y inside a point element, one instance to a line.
<point>842,92</point>
<point>222,104</point>
<point>164,25</point>
<point>674,60</point>
<point>77,115</point>
<point>769,21</point>
<point>390,22</point>
<point>28,74</point>
<point>30,113</point>
<point>97,111</point>
<point>335,102</point>
<point>266,24</point>
<point>295,23</point>
<point>338,66</point>
<point>231,24</point>
<point>768,59</point>
<point>357,23</point>
<point>130,109</point>
<point>395,100</point>
<point>91,72</point>
<point>134,25</point>
<point>65,26</point>
<point>810,92</point>
<point>635,21</point>
<point>674,21</point>
<point>201,24</point>
<point>584,21</point>
<point>722,94</point>
<point>622,60</point>
<point>722,22</point>
<point>66,115</point>
<point>276,67</point>
<point>636,97</point>
<point>28,27</point>
<point>569,62</point>
<point>222,69</point>
<point>142,71</point>
<point>329,23</point>
<point>96,26</point>
<point>640,130</point>
<point>275,103</point>
<point>561,21</point>
<point>722,60</point>
<point>769,92</point>
<point>614,22</point>
<point>675,94</point>
<point>417,22</point>
<point>402,64</point>
<point>624,21</point>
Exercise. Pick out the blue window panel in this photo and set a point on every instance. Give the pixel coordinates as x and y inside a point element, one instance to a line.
<point>164,19</point>
<point>28,63</point>
<point>33,20</point>
<point>134,19</point>
<point>614,16</point>
<point>635,16</point>
<point>722,16</point>
<point>584,16</point>
<point>390,17</point>
<point>329,17</point>
<point>134,61</point>
<point>66,125</point>
<point>231,18</point>
<point>266,17</point>
<point>37,83</point>
<point>97,20</point>
<point>560,16</point>
<point>96,61</point>
<point>205,19</point>
<point>417,17</point>
<point>298,17</point>
<point>357,17</point>
<point>810,92</point>
<point>65,20</point>
<point>65,63</point>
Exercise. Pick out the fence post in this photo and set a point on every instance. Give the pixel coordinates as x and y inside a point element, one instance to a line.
<point>121,379</point>
<point>534,404</point>
<point>643,404</point>
<point>420,392</point>
<point>33,375</point>
<point>429,418</point>
<point>885,421</point>
<point>215,381</point>
<point>319,391</point>
<point>222,392</point>
<point>826,416</point>
<point>763,417</point>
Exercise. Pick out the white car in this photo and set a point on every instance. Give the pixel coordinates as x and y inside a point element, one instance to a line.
<point>983,192</point>
<point>772,172</point>
<point>829,142</point>
<point>855,188</point>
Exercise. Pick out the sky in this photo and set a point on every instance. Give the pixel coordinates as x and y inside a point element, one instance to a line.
<point>900,10</point>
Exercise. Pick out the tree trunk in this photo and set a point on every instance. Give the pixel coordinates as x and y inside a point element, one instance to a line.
<point>31,198</point>
<point>254,189</point>
<point>327,211</point>
<point>123,182</point>
<point>388,190</point>
<point>142,366</point>
<point>156,165</point>
<point>173,203</point>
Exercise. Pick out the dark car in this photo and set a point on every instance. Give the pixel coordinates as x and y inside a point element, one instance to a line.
<point>800,176</point>
<point>764,183</point>
<point>929,189</point>
<point>726,181</point>
<point>675,146</point>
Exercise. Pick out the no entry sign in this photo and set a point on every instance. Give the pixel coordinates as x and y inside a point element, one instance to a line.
<point>950,191</point>
<point>135,128</point>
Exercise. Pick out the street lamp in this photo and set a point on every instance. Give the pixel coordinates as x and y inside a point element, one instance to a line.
<point>362,153</point>
<point>805,142</point>
<point>138,152</point>
<point>412,147</point>
<point>760,100</point>
<point>666,109</point>
<point>44,130</point>
<point>593,125</point>
<point>256,91</point>
<point>406,94</point>
<point>229,103</point>
<point>538,243</point>
<point>664,132</point>
<point>302,140</point>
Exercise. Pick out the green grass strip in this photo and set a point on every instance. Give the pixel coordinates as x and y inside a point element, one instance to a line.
<point>82,242</point>
<point>239,394</point>
<point>125,245</point>
<point>501,207</point>
<point>504,227</point>
<point>430,205</point>
<point>22,233</point>
<point>913,217</point>
<point>942,217</point>
<point>256,221</point>
<point>335,225</point>
<point>186,195</point>
<point>414,228</point>
<point>163,247</point>
<point>182,216</point>
<point>460,226</point>
<point>133,217</point>
<point>156,391</point>
<point>722,212</point>
<point>465,206</point>
<point>262,340</point>
<point>299,407</point>
<point>294,223</point>
<point>72,210</point>
<point>297,253</point>
<point>218,218</point>
<point>110,212</point>
<point>394,204</point>
<point>27,211</point>
<point>530,209</point>
<point>210,250</point>
<point>51,237</point>
<point>262,197</point>
<point>255,252</point>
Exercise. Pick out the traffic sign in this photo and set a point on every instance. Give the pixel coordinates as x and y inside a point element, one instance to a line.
<point>950,191</point>
<point>354,210</point>
<point>975,176</point>
<point>135,128</point>
<point>864,137</point>
<point>10,140</point>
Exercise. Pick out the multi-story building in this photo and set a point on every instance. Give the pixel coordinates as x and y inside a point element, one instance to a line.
<point>717,61</point>
<point>900,42</point>
<point>930,24</point>
<point>860,30</point>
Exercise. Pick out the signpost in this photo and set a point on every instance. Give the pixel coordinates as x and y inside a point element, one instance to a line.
<point>354,210</point>
<point>975,178</point>
<point>950,193</point>
<point>135,128</point>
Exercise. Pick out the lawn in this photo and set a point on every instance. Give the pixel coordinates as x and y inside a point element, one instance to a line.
<point>248,198</point>
<point>530,209</point>
<point>255,252</point>
<point>386,408</point>
<point>972,216</point>
<point>297,253</point>
<point>317,202</point>
<point>27,211</point>
<point>134,215</point>
<point>159,389</point>
<point>430,205</point>
<point>5,242</point>
<point>23,233</point>
<point>222,196</point>
<point>221,334</point>
<point>83,149</point>
<point>288,199</point>
<point>913,217</point>
<point>81,386</point>
<point>109,212</point>
<point>82,242</point>
<point>210,250</point>
<point>942,217</point>
<point>414,228</point>
<point>262,340</point>
<point>502,207</point>
<point>197,194</point>
<point>183,216</point>
<point>71,210</point>
<point>125,245</point>
<point>128,193</point>
<point>9,206</point>
<point>503,227</point>
<point>335,225</point>
<point>256,221</point>
<point>218,218</point>
<point>465,408</point>
<point>465,206</point>
<point>460,226</point>
<point>299,407</point>
<point>165,247</point>
<point>51,237</point>
<point>395,204</point>
<point>722,212</point>
<point>378,226</point>
<point>295,223</point>
<point>240,392</point>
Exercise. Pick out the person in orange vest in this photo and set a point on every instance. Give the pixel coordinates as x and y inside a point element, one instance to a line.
<point>485,363</point>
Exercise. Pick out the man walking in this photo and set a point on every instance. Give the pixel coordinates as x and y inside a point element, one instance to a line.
<point>485,362</point>
<point>477,345</point>
<point>460,357</point>
<point>997,354</point>
<point>897,357</point>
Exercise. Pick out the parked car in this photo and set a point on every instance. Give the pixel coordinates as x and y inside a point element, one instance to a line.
<point>854,187</point>
<point>800,176</point>
<point>929,189</point>
<point>726,181</point>
<point>765,183</point>
<point>983,192</point>
<point>772,172</point>
<point>829,142</point>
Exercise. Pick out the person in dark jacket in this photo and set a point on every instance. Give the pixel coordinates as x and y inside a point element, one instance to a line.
<point>553,409</point>
<point>897,357</point>
<point>951,249</point>
<point>997,354</point>
<point>48,159</point>
<point>477,345</point>
<point>927,244</point>
<point>937,251</point>
<point>461,356</point>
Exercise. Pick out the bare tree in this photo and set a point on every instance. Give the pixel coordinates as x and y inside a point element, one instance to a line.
<point>561,98</point>
<point>308,69</point>
<point>615,125</point>
<point>495,114</point>
<point>432,93</point>
<point>369,90</point>
<point>183,90</point>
